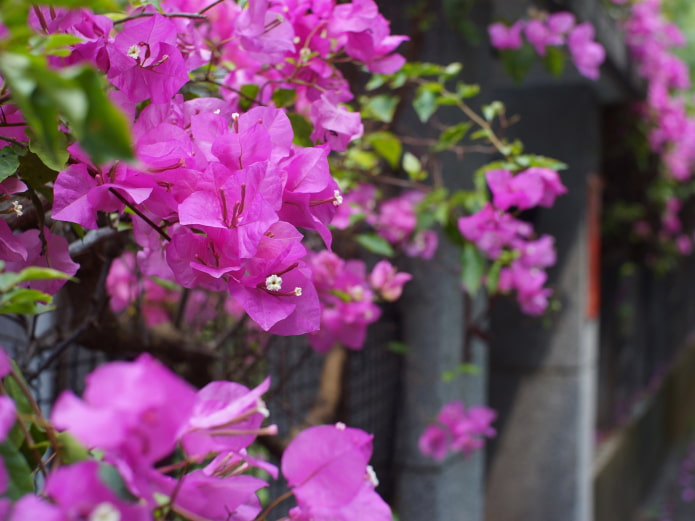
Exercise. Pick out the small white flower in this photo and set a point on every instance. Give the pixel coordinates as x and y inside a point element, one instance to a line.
<point>105,512</point>
<point>371,476</point>
<point>134,52</point>
<point>273,283</point>
<point>17,208</point>
<point>340,426</point>
<point>337,198</point>
<point>298,291</point>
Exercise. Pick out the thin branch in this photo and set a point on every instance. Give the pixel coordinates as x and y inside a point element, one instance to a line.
<point>194,16</point>
<point>87,322</point>
<point>142,216</point>
<point>208,7</point>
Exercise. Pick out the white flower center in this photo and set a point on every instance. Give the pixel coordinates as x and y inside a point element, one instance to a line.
<point>298,291</point>
<point>134,52</point>
<point>273,283</point>
<point>371,475</point>
<point>337,198</point>
<point>105,512</point>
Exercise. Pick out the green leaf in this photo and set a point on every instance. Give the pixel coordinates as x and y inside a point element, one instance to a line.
<point>529,160</point>
<point>10,279</point>
<point>479,134</point>
<point>248,96</point>
<point>412,166</point>
<point>375,244</point>
<point>517,63</point>
<point>24,301</point>
<point>452,135</point>
<point>554,60</point>
<point>362,159</point>
<point>400,348</point>
<point>493,277</point>
<point>470,369</point>
<point>9,161</point>
<point>34,172</point>
<point>467,91</point>
<point>388,146</point>
<point>472,268</point>
<point>492,110</point>
<point>70,450</point>
<point>376,81</point>
<point>105,132</point>
<point>284,97</point>
<point>109,476</point>
<point>302,129</point>
<point>425,103</point>
<point>381,107</point>
<point>18,471</point>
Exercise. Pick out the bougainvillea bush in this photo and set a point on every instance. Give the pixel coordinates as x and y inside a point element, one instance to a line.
<point>180,169</point>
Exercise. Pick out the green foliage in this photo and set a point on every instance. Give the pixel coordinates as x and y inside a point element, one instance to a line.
<point>387,145</point>
<point>450,375</point>
<point>302,129</point>
<point>473,266</point>
<point>517,63</point>
<point>18,471</point>
<point>381,107</point>
<point>19,300</point>
<point>73,94</point>
<point>375,244</point>
<point>9,160</point>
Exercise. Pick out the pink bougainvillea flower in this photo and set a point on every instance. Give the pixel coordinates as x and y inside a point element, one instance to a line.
<point>334,124</point>
<point>506,37</point>
<point>5,363</point>
<point>326,465</point>
<point>8,415</point>
<point>226,417</point>
<point>201,496</point>
<point>491,230</point>
<point>457,429</point>
<point>145,62</point>
<point>587,55</point>
<point>389,283</point>
<point>93,499</point>
<point>78,194</point>
<point>12,126</point>
<point>367,505</point>
<point>434,442</point>
<point>53,253</point>
<point>30,506</point>
<point>126,410</point>
<point>13,249</point>
<point>523,191</point>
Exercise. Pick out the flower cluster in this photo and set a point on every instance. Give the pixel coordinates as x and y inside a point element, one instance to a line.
<point>336,456</point>
<point>495,231</point>
<point>348,297</point>
<point>457,429</point>
<point>126,416</point>
<point>394,219</point>
<point>219,189</point>
<point>554,30</point>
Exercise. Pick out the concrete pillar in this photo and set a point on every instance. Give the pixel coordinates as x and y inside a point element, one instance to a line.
<point>433,311</point>
<point>543,371</point>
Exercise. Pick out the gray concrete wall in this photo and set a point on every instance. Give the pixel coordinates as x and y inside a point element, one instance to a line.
<point>542,374</point>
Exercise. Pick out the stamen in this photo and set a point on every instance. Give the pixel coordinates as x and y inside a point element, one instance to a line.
<point>273,283</point>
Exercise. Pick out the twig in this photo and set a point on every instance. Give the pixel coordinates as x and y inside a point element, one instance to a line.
<point>142,216</point>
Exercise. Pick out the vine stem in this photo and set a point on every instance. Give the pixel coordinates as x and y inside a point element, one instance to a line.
<point>142,216</point>
<point>194,16</point>
<point>263,515</point>
<point>25,430</point>
<point>475,117</point>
